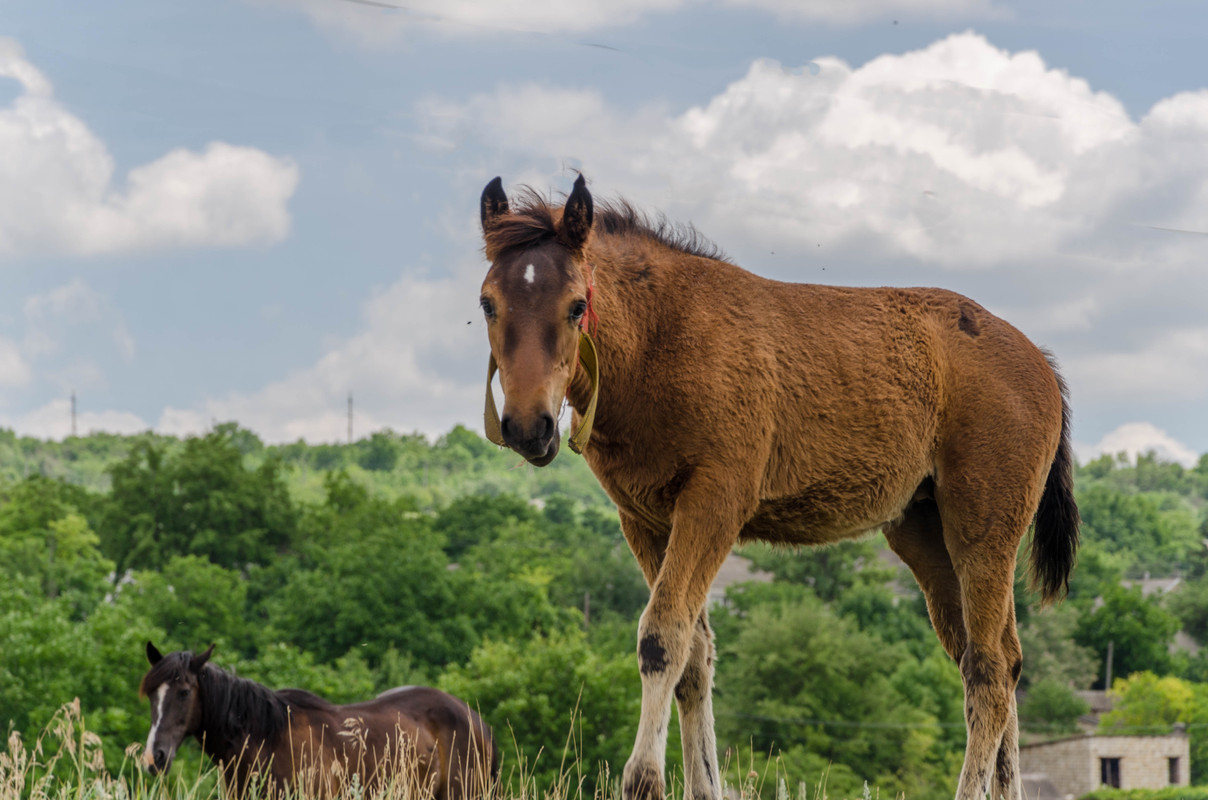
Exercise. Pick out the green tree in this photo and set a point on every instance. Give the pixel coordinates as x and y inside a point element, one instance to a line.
<point>1153,530</point>
<point>1050,652</point>
<point>830,571</point>
<point>201,501</point>
<point>195,602</point>
<point>796,675</point>
<point>45,536</point>
<point>554,695</point>
<point>1139,628</point>
<point>1050,706</point>
<point>50,657</point>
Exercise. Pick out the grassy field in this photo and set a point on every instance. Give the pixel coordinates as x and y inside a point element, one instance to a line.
<point>66,762</point>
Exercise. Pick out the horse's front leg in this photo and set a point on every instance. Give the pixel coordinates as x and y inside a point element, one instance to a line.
<point>694,696</point>
<point>705,525</point>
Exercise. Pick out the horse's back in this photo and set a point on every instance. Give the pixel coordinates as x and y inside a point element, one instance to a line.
<point>866,388</point>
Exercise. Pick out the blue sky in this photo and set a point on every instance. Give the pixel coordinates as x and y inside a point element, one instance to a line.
<point>245,209</point>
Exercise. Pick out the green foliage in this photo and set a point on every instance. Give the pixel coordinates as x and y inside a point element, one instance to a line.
<point>196,603</point>
<point>1169,793</point>
<point>49,657</point>
<point>1140,629</point>
<point>201,500</point>
<point>44,536</point>
<point>1051,706</point>
<point>553,696</point>
<point>347,679</point>
<point>830,571</point>
<point>1153,531</point>
<point>383,581</point>
<point>1189,602</point>
<point>795,672</point>
<point>1050,652</point>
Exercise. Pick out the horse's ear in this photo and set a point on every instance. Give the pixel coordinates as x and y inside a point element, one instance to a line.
<point>494,202</point>
<point>576,217</point>
<point>197,662</point>
<point>153,654</point>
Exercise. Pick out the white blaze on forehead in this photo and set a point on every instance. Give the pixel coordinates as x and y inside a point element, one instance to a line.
<point>158,702</point>
<point>530,272</point>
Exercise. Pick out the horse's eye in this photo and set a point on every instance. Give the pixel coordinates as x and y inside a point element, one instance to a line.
<point>488,308</point>
<point>577,310</point>
<point>183,694</point>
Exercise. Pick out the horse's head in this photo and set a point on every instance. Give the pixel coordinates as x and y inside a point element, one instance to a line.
<point>172,684</point>
<point>535,298</point>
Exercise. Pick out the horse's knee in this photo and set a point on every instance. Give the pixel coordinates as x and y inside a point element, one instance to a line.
<point>652,654</point>
<point>988,690</point>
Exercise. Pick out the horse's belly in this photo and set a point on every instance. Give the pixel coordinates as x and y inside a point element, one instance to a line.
<point>820,517</point>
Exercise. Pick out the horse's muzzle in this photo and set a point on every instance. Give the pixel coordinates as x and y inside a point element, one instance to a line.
<point>537,442</point>
<point>159,762</point>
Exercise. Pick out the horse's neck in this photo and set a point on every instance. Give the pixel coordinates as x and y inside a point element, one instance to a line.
<point>620,337</point>
<point>218,737</point>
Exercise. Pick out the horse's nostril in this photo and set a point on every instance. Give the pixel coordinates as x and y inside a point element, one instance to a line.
<point>161,758</point>
<point>505,427</point>
<point>547,427</point>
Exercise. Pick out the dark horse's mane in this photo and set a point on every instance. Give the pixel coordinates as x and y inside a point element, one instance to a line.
<point>532,221</point>
<point>231,706</point>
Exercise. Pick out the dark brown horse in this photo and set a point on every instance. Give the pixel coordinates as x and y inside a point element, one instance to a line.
<point>716,406</point>
<point>413,739</point>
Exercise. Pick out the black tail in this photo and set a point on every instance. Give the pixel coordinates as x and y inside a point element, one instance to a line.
<point>1055,535</point>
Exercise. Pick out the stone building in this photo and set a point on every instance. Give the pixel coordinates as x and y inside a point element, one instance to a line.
<point>1068,768</point>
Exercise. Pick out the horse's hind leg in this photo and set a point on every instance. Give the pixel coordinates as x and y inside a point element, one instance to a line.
<point>982,539</point>
<point>918,539</point>
<point>971,604</point>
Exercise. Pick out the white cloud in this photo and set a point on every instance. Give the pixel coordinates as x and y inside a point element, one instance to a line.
<point>53,421</point>
<point>14,370</point>
<point>1136,438</point>
<point>1173,364</point>
<point>58,192</point>
<point>380,22</point>
<point>404,369</point>
<point>377,23</point>
<point>66,321</point>
<point>959,153</point>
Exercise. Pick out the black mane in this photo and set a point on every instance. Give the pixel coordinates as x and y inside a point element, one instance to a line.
<point>233,707</point>
<point>533,221</point>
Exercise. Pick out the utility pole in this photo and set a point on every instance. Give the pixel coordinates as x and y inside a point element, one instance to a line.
<point>350,417</point>
<point>73,413</point>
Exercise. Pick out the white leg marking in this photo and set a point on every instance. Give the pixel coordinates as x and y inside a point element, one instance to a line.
<point>160,694</point>
<point>530,272</point>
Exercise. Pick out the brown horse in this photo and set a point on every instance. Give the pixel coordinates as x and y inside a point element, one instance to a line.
<point>715,406</point>
<point>413,738</point>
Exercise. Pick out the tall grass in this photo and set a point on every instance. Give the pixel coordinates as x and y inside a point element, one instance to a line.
<point>66,762</point>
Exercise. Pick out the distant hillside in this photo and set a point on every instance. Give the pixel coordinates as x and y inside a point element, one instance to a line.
<point>391,464</point>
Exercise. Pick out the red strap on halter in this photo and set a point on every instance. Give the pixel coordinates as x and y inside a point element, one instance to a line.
<point>591,320</point>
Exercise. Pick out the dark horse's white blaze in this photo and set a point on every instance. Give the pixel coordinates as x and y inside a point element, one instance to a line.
<point>733,408</point>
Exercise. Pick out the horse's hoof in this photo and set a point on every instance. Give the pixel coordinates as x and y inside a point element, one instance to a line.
<point>642,782</point>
